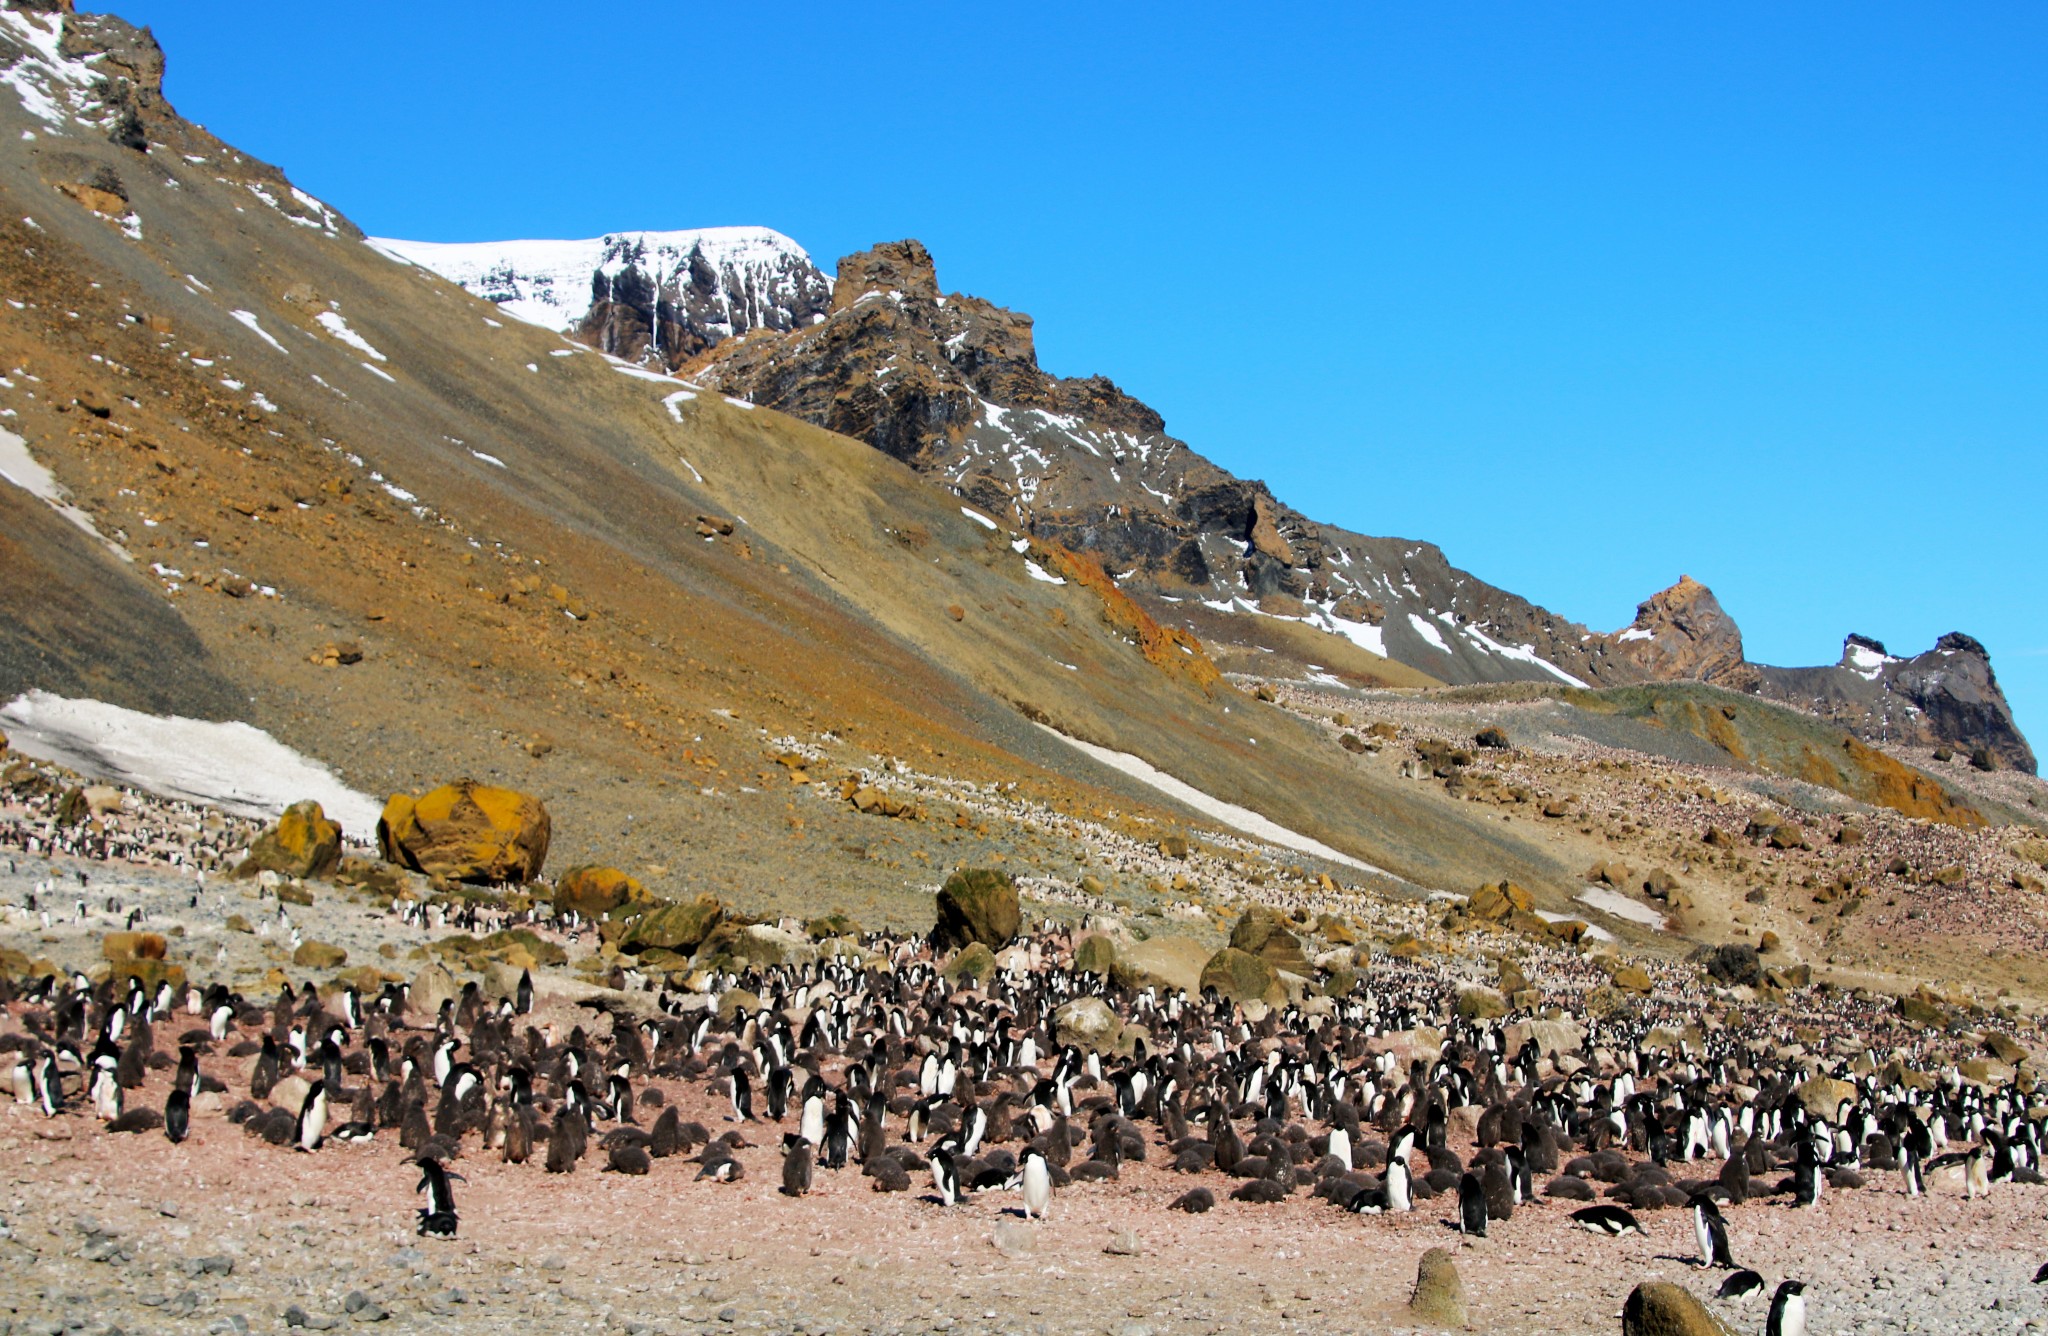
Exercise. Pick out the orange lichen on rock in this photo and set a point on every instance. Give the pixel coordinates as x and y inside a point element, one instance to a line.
<point>1175,651</point>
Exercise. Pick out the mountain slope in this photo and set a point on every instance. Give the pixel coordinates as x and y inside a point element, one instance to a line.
<point>951,385</point>
<point>566,573</point>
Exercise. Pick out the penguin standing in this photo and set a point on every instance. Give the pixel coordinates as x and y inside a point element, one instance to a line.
<point>742,1097</point>
<point>945,1177</point>
<point>312,1118</point>
<point>796,1164</point>
<point>1710,1230</point>
<point>1471,1206</point>
<point>1788,1310</point>
<point>178,1115</point>
<point>1400,1197</point>
<point>522,996</point>
<point>437,1219</point>
<point>1036,1179</point>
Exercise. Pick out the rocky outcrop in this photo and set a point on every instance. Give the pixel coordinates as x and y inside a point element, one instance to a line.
<point>977,905</point>
<point>594,891</point>
<point>1679,635</point>
<point>1946,697</point>
<point>303,843</point>
<point>466,831</point>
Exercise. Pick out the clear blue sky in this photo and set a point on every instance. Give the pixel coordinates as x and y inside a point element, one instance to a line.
<point>1590,295</point>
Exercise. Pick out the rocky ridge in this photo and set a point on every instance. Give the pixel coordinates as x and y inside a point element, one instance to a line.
<point>950,384</point>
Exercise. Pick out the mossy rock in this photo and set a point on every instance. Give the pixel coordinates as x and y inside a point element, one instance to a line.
<point>303,843</point>
<point>15,964</point>
<point>1661,1308</point>
<point>153,974</point>
<point>834,924</point>
<point>1479,1003</point>
<point>594,891</point>
<point>1632,979</point>
<point>1095,955</point>
<point>736,1000</point>
<point>683,927</point>
<point>120,946</point>
<point>1922,1012</point>
<point>1239,976</point>
<point>314,955</point>
<point>236,923</point>
<point>977,905</point>
<point>467,831</point>
<point>294,893</point>
<point>974,961</point>
<point>1262,932</point>
<point>1439,1295</point>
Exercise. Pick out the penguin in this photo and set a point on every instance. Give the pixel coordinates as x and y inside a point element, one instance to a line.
<point>1036,1179</point>
<point>312,1126</point>
<point>1788,1310</point>
<point>1612,1221</point>
<point>945,1177</point>
<point>1710,1231</point>
<point>1194,1201</point>
<point>797,1153</point>
<point>1471,1206</point>
<point>522,996</point>
<point>1400,1187</point>
<point>178,1115</point>
<point>2041,1276</point>
<point>1740,1285</point>
<point>1807,1181</point>
<point>742,1097</point>
<point>437,1219</point>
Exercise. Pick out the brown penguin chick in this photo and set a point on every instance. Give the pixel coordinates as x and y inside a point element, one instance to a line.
<point>628,1158</point>
<point>797,1158</point>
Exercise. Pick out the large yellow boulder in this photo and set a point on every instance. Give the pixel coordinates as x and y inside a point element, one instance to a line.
<point>595,891</point>
<point>303,843</point>
<point>468,832</point>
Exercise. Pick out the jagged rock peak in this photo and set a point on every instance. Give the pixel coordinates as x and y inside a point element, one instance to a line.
<point>903,267</point>
<point>1684,633</point>
<point>659,297</point>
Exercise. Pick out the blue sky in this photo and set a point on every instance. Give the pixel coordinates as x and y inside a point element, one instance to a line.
<point>1591,296</point>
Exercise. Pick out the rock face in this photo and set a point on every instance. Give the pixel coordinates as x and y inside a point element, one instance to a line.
<point>1660,1308</point>
<point>1681,634</point>
<point>679,928</point>
<point>303,843</point>
<point>1263,933</point>
<point>1239,976</point>
<point>1164,962</point>
<point>977,905</point>
<point>1947,696</point>
<point>467,831</point>
<point>1087,1022</point>
<point>594,892</point>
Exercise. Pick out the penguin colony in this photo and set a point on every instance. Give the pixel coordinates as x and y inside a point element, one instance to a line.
<point>894,1074</point>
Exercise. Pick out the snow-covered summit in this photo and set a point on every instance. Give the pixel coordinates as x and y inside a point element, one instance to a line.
<point>688,288</point>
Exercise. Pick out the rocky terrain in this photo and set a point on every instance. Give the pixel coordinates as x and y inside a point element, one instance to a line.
<point>739,694</point>
<point>951,385</point>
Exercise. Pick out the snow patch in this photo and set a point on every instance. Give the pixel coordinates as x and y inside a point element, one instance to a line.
<point>1230,814</point>
<point>1636,633</point>
<point>332,322</point>
<point>1428,632</point>
<point>1620,906</point>
<point>19,467</point>
<point>1038,572</point>
<point>234,766</point>
<point>979,518</point>
<point>249,318</point>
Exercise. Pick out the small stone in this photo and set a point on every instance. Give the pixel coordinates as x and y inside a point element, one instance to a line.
<point>728,1314</point>
<point>1124,1243</point>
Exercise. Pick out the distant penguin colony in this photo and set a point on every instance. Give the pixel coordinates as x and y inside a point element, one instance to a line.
<point>886,1067</point>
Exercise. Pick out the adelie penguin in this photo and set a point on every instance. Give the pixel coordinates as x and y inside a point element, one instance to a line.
<point>1612,1221</point>
<point>1035,1177</point>
<point>945,1177</point>
<point>1471,1206</point>
<point>178,1115</point>
<point>1788,1310</point>
<point>1710,1231</point>
<point>742,1097</point>
<point>1742,1285</point>
<point>437,1218</point>
<point>312,1128</point>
